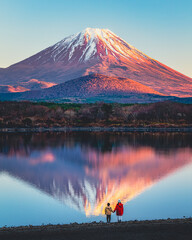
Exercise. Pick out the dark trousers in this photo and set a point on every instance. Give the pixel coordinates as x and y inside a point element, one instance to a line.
<point>108,218</point>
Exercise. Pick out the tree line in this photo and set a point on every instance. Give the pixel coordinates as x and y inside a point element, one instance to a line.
<point>44,114</point>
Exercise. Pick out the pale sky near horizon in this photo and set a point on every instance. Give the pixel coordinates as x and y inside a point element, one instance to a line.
<point>162,29</point>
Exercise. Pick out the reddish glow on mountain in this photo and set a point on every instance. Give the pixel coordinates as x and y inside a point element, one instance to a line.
<point>42,84</point>
<point>110,84</point>
<point>48,157</point>
<point>32,84</point>
<point>11,89</point>
<point>87,179</point>
<point>134,175</point>
<point>97,85</point>
<point>97,51</point>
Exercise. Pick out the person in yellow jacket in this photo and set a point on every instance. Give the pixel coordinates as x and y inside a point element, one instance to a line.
<point>108,211</point>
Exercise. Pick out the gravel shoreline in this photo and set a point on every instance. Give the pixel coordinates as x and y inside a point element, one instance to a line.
<point>98,129</point>
<point>173,229</point>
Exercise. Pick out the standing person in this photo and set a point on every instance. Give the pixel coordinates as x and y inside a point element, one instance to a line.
<point>119,210</point>
<point>108,211</point>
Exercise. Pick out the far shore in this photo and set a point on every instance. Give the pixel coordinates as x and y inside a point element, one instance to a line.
<point>96,129</point>
<point>173,229</point>
<point>42,117</point>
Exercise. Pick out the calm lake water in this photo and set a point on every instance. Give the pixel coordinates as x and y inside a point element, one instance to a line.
<point>69,177</point>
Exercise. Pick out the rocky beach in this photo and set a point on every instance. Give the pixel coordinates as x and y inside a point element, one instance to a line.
<point>141,230</point>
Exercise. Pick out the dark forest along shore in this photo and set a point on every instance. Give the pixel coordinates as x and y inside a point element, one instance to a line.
<point>64,177</point>
<point>52,115</point>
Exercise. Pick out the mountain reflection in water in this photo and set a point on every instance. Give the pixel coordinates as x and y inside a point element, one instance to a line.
<point>87,170</point>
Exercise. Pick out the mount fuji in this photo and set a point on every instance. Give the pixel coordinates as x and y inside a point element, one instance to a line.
<point>95,51</point>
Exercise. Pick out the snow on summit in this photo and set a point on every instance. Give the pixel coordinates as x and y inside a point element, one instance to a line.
<point>92,44</point>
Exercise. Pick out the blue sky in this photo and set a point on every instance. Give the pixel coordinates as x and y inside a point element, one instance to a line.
<point>161,29</point>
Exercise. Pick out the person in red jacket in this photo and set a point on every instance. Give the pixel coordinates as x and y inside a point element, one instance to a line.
<point>119,210</point>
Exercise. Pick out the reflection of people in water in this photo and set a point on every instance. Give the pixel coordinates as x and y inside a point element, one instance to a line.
<point>108,211</point>
<point>119,210</point>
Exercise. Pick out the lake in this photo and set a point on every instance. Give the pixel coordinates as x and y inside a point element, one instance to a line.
<point>69,177</point>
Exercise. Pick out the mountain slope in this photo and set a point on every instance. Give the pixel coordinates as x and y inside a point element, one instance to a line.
<point>90,86</point>
<point>97,85</point>
<point>97,51</point>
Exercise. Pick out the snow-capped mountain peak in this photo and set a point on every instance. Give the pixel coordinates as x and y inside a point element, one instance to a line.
<point>83,46</point>
<point>90,45</point>
<point>96,43</point>
<point>100,51</point>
